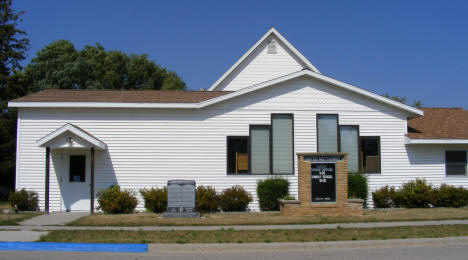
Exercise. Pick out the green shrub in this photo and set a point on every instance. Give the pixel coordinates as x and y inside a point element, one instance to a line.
<point>450,196</point>
<point>206,199</point>
<point>415,194</point>
<point>235,198</point>
<point>24,200</point>
<point>115,200</point>
<point>155,199</point>
<point>383,197</point>
<point>270,190</point>
<point>357,186</point>
<point>288,197</point>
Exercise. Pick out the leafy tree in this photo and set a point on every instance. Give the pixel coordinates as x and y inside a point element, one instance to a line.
<point>13,46</point>
<point>416,103</point>
<point>396,98</point>
<point>60,65</point>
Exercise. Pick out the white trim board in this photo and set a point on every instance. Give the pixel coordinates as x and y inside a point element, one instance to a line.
<point>435,141</point>
<point>307,73</point>
<point>74,130</point>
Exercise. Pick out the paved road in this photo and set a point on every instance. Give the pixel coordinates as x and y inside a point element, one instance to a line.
<point>447,249</point>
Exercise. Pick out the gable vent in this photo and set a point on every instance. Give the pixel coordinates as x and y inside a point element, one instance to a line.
<point>271,47</point>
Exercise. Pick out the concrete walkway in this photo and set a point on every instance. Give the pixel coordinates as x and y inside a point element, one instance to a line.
<point>56,218</point>
<point>252,227</point>
<point>21,236</point>
<point>32,229</point>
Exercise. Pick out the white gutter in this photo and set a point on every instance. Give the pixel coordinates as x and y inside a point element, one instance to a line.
<point>435,141</point>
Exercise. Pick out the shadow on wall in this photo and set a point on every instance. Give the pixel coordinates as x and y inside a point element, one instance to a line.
<point>75,195</point>
<point>425,154</point>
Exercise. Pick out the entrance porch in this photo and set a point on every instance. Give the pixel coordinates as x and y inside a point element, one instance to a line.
<point>73,151</point>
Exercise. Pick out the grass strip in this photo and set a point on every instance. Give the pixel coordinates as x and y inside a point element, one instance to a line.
<point>14,219</point>
<point>270,218</point>
<point>250,236</point>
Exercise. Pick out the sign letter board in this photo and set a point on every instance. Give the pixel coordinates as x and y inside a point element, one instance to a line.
<point>323,182</point>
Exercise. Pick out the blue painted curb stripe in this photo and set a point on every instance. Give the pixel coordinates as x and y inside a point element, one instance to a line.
<point>78,247</point>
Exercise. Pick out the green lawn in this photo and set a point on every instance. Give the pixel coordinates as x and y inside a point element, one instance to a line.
<point>13,219</point>
<point>269,218</point>
<point>251,236</point>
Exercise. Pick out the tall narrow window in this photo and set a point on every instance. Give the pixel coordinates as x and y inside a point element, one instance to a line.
<point>77,168</point>
<point>282,143</point>
<point>237,155</point>
<point>455,162</point>
<point>349,143</point>
<point>327,133</point>
<point>260,149</point>
<point>370,154</point>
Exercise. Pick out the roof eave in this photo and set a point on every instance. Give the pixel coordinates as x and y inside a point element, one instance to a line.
<point>411,111</point>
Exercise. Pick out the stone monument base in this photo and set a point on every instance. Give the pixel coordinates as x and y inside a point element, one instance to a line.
<point>322,187</point>
<point>296,208</point>
<point>181,214</point>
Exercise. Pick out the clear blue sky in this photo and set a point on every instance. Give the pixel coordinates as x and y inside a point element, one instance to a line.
<point>416,49</point>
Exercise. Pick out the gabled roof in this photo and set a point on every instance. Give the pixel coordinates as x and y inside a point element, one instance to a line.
<point>74,130</point>
<point>439,125</point>
<point>121,96</point>
<point>221,97</point>
<point>306,63</point>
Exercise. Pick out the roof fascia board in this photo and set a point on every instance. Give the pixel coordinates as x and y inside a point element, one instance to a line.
<point>101,105</point>
<point>435,141</point>
<point>411,110</point>
<point>365,93</point>
<point>294,50</point>
<point>69,127</point>
<point>266,35</point>
<point>321,77</point>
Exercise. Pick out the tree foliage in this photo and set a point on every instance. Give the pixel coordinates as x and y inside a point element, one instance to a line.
<point>13,46</point>
<point>416,103</point>
<point>59,65</point>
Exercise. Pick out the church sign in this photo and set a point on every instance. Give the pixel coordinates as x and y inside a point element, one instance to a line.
<point>323,182</point>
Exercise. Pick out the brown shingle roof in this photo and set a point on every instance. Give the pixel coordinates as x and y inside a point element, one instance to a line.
<point>439,123</point>
<point>121,96</point>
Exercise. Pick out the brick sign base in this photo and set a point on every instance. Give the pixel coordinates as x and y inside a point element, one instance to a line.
<point>304,205</point>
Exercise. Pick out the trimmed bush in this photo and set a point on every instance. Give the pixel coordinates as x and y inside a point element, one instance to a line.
<point>288,197</point>
<point>235,198</point>
<point>415,194</point>
<point>155,199</point>
<point>357,186</point>
<point>420,194</point>
<point>383,197</point>
<point>206,199</point>
<point>270,190</point>
<point>24,200</point>
<point>450,196</point>
<point>115,200</point>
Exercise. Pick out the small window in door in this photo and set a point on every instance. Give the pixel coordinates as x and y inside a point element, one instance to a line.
<point>77,168</point>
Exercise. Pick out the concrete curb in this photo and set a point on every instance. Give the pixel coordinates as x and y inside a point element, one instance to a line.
<point>294,246</point>
<point>244,227</point>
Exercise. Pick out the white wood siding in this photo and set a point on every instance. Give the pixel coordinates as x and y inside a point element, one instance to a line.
<point>148,147</point>
<point>261,66</point>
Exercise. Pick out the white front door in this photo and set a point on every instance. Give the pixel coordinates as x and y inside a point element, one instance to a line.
<point>75,183</point>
